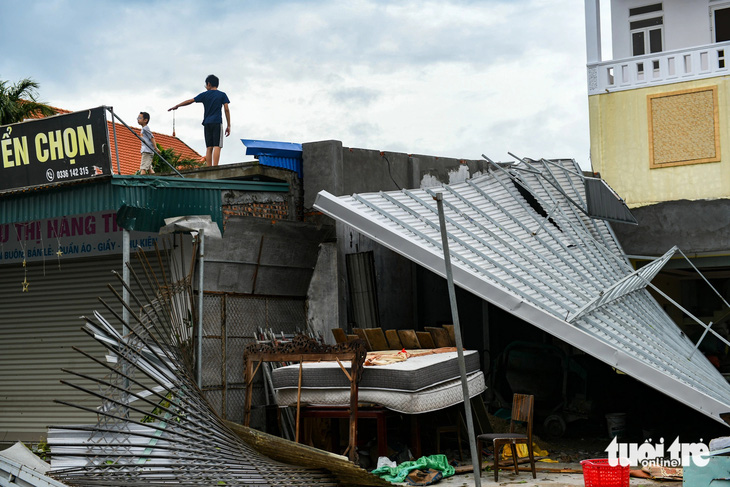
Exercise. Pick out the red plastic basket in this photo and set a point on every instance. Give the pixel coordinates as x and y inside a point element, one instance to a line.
<point>598,473</point>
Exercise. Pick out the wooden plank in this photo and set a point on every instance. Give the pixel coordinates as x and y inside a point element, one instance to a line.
<point>340,335</point>
<point>351,338</point>
<point>394,342</point>
<point>376,337</point>
<point>409,339</point>
<point>347,472</point>
<point>424,338</point>
<point>452,336</point>
<point>440,336</point>
<point>362,336</point>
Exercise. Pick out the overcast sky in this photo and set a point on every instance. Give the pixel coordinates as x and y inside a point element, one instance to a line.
<point>447,78</point>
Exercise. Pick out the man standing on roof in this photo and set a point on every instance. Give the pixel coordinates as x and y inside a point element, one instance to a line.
<point>212,99</point>
<point>148,144</point>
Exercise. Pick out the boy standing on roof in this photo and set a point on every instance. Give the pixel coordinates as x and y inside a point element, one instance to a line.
<point>212,99</point>
<point>148,144</point>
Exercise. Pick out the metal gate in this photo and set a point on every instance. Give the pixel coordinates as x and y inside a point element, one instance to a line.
<point>230,322</point>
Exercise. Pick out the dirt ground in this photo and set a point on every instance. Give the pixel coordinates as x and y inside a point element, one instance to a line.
<point>547,479</point>
<point>565,453</point>
<point>568,452</point>
<point>584,439</point>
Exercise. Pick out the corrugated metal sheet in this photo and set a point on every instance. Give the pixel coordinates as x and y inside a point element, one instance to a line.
<point>291,163</point>
<point>15,474</point>
<point>520,239</point>
<point>37,330</point>
<point>363,295</point>
<point>287,155</point>
<point>603,202</point>
<point>148,200</point>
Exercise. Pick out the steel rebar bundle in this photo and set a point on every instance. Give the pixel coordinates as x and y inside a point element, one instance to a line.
<point>154,426</point>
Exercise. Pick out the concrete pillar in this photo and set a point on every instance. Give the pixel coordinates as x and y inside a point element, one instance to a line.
<point>322,169</point>
<point>593,31</point>
<point>414,166</point>
<point>323,294</point>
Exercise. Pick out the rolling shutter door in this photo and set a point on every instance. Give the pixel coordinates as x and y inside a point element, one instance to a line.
<point>37,331</point>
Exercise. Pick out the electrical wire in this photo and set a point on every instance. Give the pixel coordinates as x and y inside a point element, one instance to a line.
<point>389,172</point>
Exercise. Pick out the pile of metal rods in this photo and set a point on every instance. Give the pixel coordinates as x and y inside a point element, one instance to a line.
<point>154,425</point>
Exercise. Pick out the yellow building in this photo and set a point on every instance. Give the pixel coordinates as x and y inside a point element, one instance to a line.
<point>660,137</point>
<point>659,109</point>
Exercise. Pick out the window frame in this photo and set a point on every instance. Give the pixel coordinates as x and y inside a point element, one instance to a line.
<point>713,28</point>
<point>650,18</point>
<point>645,32</point>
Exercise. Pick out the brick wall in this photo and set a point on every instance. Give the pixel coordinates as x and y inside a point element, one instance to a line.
<point>275,210</point>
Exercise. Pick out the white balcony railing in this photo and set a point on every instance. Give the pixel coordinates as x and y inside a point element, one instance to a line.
<point>659,68</point>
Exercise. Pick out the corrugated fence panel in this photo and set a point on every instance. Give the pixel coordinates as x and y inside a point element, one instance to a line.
<point>363,290</point>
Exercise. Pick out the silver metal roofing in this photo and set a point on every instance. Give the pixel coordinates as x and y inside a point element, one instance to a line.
<point>520,237</point>
<point>604,203</point>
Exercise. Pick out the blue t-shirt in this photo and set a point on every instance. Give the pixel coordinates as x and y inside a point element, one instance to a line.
<point>213,101</point>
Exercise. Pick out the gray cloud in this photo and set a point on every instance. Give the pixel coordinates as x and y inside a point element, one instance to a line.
<point>451,78</point>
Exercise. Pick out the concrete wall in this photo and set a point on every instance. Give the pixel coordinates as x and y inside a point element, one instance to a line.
<point>342,170</point>
<point>339,170</point>
<point>696,227</point>
<point>265,250</point>
<point>259,256</point>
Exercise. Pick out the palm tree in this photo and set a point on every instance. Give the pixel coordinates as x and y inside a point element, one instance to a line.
<point>18,102</point>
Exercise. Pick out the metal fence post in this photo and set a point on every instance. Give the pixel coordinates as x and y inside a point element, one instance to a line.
<point>459,345</point>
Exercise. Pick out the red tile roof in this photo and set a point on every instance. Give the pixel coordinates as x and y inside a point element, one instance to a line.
<point>129,146</point>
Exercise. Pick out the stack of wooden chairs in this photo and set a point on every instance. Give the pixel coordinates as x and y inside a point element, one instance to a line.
<point>377,339</point>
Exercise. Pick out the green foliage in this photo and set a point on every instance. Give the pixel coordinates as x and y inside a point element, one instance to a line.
<point>175,159</point>
<point>162,409</point>
<point>19,101</point>
<point>42,450</point>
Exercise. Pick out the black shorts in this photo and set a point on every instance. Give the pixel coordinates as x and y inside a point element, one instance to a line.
<point>213,134</point>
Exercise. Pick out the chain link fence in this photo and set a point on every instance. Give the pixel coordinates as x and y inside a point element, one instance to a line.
<point>230,322</point>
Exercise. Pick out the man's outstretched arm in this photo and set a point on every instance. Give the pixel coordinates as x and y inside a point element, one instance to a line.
<point>182,104</point>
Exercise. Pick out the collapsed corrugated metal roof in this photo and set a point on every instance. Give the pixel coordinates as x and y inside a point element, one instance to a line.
<point>521,238</point>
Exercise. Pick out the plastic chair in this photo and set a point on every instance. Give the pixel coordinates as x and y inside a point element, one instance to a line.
<point>522,411</point>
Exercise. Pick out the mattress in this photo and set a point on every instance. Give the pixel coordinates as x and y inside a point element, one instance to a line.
<point>412,375</point>
<point>426,400</point>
